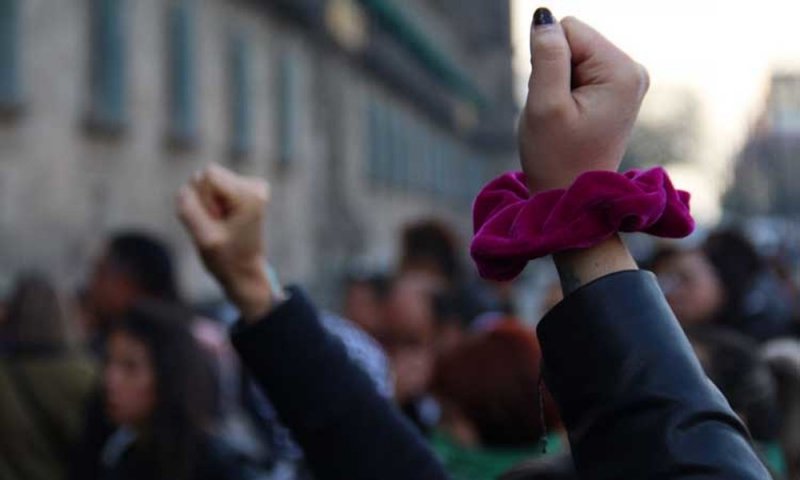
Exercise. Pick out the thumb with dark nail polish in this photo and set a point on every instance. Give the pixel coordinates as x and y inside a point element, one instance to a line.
<point>542,16</point>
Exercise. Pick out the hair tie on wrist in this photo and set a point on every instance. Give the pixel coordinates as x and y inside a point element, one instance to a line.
<point>513,227</point>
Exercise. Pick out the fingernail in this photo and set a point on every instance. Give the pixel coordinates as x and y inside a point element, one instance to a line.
<point>543,16</point>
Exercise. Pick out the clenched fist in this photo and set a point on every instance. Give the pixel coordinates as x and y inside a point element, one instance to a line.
<point>584,96</point>
<point>224,214</point>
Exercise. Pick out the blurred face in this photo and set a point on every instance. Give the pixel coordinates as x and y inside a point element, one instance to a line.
<point>409,337</point>
<point>130,381</point>
<point>409,313</point>
<point>109,292</point>
<point>691,286</point>
<point>363,307</point>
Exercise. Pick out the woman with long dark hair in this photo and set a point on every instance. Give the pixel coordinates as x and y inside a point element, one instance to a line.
<point>158,391</point>
<point>44,381</point>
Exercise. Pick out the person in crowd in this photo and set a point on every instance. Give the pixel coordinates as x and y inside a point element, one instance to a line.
<point>274,448</point>
<point>783,358</point>
<point>547,467</point>
<point>450,313</point>
<point>734,363</point>
<point>488,388</point>
<point>158,394</point>
<point>655,417</point>
<point>132,266</point>
<point>421,322</point>
<point>429,246</point>
<point>363,301</point>
<point>44,382</point>
<point>409,338</point>
<point>724,282</point>
<point>430,249</point>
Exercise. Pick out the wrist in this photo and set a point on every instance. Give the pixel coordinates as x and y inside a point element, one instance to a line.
<point>251,289</point>
<point>580,267</point>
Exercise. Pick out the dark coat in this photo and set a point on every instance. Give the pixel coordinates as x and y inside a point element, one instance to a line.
<point>632,395</point>
<point>42,392</point>
<point>215,461</point>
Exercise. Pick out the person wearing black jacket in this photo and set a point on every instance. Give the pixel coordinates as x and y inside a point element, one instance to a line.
<point>632,395</point>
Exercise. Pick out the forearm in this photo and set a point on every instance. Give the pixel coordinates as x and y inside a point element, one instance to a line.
<point>346,429</point>
<point>580,267</point>
<point>627,381</point>
<point>628,385</point>
<point>251,289</point>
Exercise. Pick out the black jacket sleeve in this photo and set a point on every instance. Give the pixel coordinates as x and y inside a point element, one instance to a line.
<point>346,429</point>
<point>632,394</point>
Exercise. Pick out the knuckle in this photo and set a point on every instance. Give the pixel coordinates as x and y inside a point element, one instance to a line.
<point>633,75</point>
<point>549,47</point>
<point>568,21</point>
<point>644,78</point>
<point>211,175</point>
<point>213,243</point>
<point>547,108</point>
<point>260,190</point>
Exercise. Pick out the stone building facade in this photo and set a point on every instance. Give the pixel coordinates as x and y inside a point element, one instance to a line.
<point>766,168</point>
<point>363,114</point>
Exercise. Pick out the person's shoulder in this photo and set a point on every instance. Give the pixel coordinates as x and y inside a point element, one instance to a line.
<point>218,460</point>
<point>67,364</point>
<point>550,467</point>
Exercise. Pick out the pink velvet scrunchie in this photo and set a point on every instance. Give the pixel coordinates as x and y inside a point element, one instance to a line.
<point>513,227</point>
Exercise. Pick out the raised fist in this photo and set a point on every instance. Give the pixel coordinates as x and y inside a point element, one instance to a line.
<point>583,99</point>
<point>224,214</point>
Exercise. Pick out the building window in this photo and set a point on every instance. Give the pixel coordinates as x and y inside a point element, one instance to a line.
<point>438,166</point>
<point>401,152</point>
<point>415,155</point>
<point>10,91</point>
<point>386,152</point>
<point>373,145</point>
<point>394,147</point>
<point>181,79</point>
<point>448,178</point>
<point>241,141</point>
<point>287,108</point>
<point>428,154</point>
<point>107,108</point>
<point>407,150</point>
<point>475,181</point>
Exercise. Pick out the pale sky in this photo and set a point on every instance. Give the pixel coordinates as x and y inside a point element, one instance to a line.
<point>723,50</point>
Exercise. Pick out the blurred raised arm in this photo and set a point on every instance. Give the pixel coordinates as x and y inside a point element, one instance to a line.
<point>346,428</point>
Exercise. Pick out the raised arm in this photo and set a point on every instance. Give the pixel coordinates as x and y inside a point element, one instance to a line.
<point>631,392</point>
<point>346,428</point>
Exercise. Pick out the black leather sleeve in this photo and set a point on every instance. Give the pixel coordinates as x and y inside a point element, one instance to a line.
<point>632,394</point>
<point>346,429</point>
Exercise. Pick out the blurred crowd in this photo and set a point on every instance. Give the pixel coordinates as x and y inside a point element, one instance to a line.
<point>126,379</point>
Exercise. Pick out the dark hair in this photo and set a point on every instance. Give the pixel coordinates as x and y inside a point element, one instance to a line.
<point>184,401</point>
<point>783,357</point>
<point>35,315</point>
<point>493,379</point>
<point>663,254</point>
<point>379,283</point>
<point>733,362</point>
<point>431,243</point>
<point>147,261</point>
<point>737,264</point>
